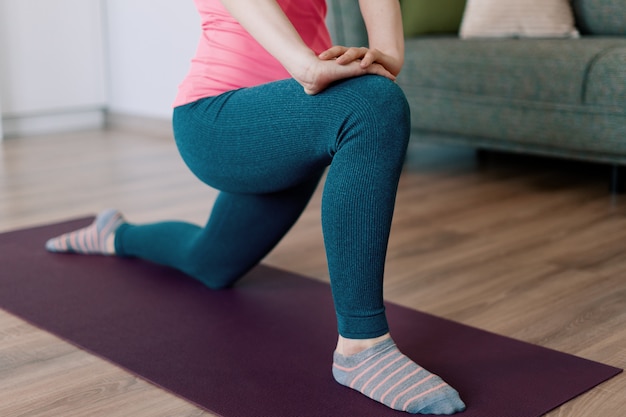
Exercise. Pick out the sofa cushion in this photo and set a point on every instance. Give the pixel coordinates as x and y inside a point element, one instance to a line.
<point>546,70</point>
<point>518,18</point>
<point>421,17</point>
<point>606,80</point>
<point>601,17</point>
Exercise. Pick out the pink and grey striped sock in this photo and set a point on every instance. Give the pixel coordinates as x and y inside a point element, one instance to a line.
<point>91,239</point>
<point>384,374</point>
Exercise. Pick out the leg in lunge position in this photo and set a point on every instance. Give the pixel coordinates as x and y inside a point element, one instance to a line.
<point>241,230</point>
<point>364,145</point>
<point>268,105</point>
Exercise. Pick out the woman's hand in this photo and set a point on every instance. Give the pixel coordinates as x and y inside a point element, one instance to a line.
<point>328,68</point>
<point>365,56</point>
<point>385,56</point>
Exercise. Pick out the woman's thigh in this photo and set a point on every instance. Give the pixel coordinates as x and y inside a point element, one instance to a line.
<point>274,136</point>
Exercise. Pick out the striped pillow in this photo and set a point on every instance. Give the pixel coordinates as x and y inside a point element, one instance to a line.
<point>518,18</point>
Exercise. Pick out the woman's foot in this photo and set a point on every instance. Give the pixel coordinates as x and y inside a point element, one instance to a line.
<point>381,372</point>
<point>97,238</point>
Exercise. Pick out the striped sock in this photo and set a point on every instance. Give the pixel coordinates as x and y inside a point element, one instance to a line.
<point>91,239</point>
<point>384,374</point>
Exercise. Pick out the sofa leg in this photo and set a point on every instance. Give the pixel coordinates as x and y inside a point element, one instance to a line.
<point>618,179</point>
<point>482,157</point>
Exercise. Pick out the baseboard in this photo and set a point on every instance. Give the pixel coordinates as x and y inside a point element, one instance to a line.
<point>38,124</point>
<point>144,125</point>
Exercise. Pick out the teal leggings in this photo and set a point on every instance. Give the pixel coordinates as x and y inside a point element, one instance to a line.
<point>265,148</point>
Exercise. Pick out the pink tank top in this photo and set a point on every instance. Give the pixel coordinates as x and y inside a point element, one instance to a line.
<point>228,58</point>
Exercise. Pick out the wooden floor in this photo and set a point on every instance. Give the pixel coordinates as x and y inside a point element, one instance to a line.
<point>529,248</point>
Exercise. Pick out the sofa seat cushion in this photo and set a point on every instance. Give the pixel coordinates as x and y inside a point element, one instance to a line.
<point>546,70</point>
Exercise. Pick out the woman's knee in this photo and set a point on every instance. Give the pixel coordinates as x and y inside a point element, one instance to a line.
<point>381,90</point>
<point>211,273</point>
<point>387,96</point>
<point>377,106</point>
<point>213,278</point>
<point>394,112</point>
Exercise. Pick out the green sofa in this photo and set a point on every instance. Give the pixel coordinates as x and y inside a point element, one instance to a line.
<point>554,97</point>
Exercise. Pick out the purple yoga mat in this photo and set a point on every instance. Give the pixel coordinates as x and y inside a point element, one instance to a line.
<point>263,348</point>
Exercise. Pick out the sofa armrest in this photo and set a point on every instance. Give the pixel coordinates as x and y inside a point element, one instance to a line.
<point>345,23</point>
<point>600,17</point>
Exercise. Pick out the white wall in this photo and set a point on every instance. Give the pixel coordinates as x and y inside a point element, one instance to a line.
<point>51,64</point>
<point>62,62</point>
<point>150,44</point>
<point>1,128</point>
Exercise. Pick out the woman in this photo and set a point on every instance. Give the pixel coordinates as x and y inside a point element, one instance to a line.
<point>268,105</point>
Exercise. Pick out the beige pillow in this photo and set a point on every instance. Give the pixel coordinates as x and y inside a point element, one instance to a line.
<point>518,18</point>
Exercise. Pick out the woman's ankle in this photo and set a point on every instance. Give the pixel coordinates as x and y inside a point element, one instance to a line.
<point>347,347</point>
